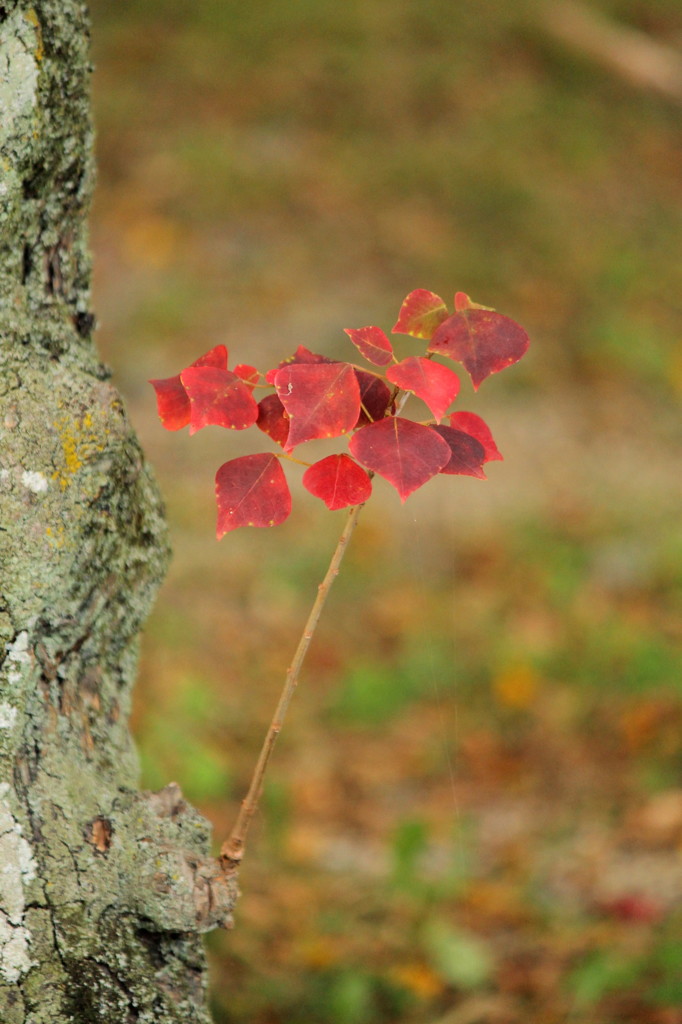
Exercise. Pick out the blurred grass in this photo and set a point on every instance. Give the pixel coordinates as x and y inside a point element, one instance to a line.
<point>476,805</point>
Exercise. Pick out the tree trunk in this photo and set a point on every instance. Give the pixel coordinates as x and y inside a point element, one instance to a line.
<point>103,890</point>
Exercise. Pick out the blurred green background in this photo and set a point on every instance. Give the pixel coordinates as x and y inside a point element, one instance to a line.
<point>474,814</point>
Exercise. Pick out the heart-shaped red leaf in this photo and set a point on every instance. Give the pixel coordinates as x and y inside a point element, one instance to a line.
<point>172,402</point>
<point>251,491</point>
<point>420,314</point>
<point>472,424</point>
<point>375,397</point>
<point>273,419</point>
<point>339,481</point>
<point>171,398</point>
<point>322,400</point>
<point>301,355</point>
<point>218,398</point>
<point>406,454</point>
<point>372,343</point>
<point>467,455</point>
<point>435,384</point>
<point>484,341</point>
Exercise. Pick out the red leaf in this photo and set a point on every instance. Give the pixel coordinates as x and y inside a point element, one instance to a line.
<point>339,481</point>
<point>172,402</point>
<point>273,419</point>
<point>251,491</point>
<point>406,454</point>
<point>467,455</point>
<point>304,355</point>
<point>437,385</point>
<point>171,398</point>
<point>375,396</point>
<point>218,398</point>
<point>484,341</point>
<point>472,424</point>
<point>635,907</point>
<point>214,357</point>
<point>322,400</point>
<point>372,343</point>
<point>249,374</point>
<point>420,314</point>
<point>301,355</point>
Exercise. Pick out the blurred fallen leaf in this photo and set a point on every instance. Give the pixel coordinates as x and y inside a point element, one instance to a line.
<point>635,908</point>
<point>500,901</point>
<point>320,953</point>
<point>516,686</point>
<point>419,979</point>
<point>659,821</point>
<point>640,724</point>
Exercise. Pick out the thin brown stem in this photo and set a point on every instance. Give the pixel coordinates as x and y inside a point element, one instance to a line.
<point>232,850</point>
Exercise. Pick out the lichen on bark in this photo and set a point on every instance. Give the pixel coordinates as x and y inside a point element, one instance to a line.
<point>104,889</point>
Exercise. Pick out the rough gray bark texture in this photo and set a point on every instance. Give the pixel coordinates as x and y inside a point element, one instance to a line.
<point>103,890</point>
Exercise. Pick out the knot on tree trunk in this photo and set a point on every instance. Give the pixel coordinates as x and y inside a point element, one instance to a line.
<point>174,884</point>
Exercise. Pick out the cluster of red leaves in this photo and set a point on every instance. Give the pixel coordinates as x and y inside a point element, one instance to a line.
<point>316,397</point>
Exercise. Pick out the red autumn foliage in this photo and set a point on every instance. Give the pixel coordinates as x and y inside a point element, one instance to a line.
<point>172,399</point>
<point>467,454</point>
<point>405,453</point>
<point>434,383</point>
<point>376,398</point>
<point>249,374</point>
<point>301,355</point>
<point>472,424</point>
<point>273,419</point>
<point>483,341</point>
<point>317,397</point>
<point>251,491</point>
<point>339,481</point>
<point>373,344</point>
<point>421,313</point>
<point>321,399</point>
<point>218,398</point>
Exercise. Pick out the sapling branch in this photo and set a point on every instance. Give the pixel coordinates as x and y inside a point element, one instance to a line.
<point>292,458</point>
<point>317,398</point>
<point>232,850</point>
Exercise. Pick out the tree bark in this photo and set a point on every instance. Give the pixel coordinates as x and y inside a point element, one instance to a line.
<point>103,889</point>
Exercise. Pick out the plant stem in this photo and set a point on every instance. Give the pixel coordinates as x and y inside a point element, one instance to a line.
<point>232,850</point>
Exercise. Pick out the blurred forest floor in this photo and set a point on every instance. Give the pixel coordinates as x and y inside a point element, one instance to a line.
<point>474,814</point>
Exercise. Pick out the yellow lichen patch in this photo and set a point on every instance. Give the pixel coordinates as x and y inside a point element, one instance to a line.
<point>79,443</point>
<point>55,536</point>
<point>32,17</point>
